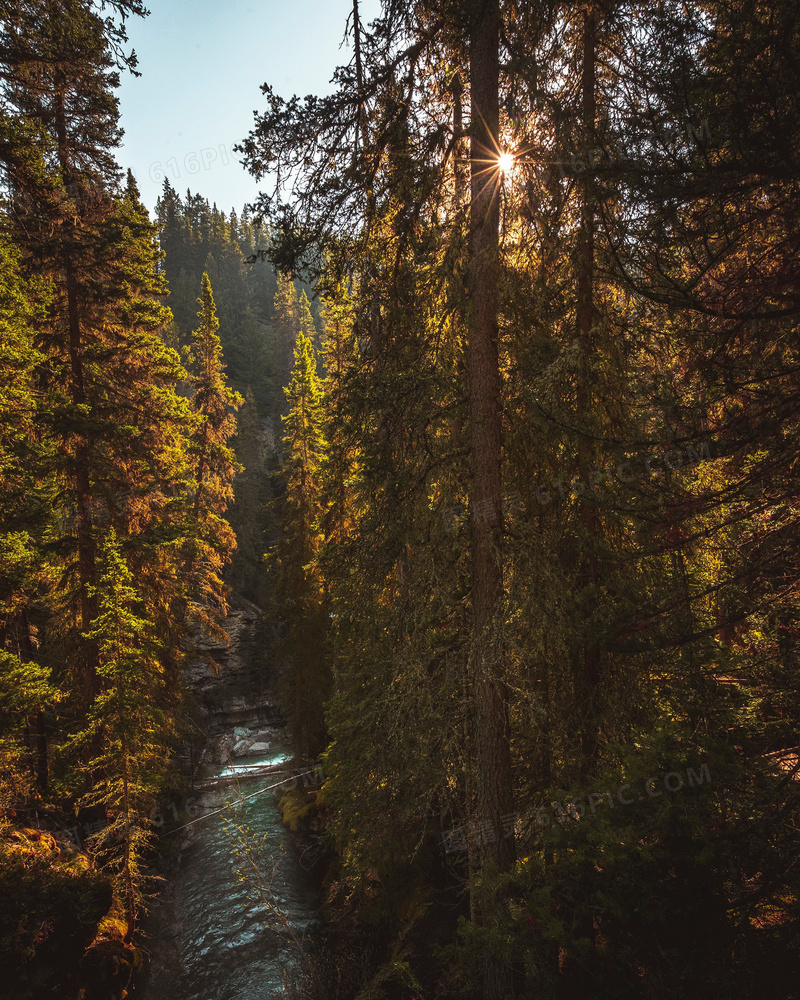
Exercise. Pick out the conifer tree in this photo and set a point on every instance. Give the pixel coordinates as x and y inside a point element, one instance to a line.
<point>400,264</point>
<point>195,238</point>
<point>252,361</point>
<point>285,326</point>
<point>213,467</point>
<point>302,605</point>
<point>339,351</point>
<point>25,569</point>
<point>305,320</point>
<point>95,244</point>
<point>73,103</point>
<point>249,515</point>
<point>127,724</point>
<point>96,436</point>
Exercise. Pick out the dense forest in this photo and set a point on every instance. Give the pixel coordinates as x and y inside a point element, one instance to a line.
<point>489,403</point>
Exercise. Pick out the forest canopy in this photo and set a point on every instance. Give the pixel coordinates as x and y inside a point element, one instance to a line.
<point>489,404</point>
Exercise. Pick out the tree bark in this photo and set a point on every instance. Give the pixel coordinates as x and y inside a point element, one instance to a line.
<point>87,562</point>
<point>359,71</point>
<point>37,745</point>
<point>493,754</point>
<point>589,655</point>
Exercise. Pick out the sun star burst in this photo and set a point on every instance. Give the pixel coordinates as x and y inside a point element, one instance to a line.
<point>506,163</point>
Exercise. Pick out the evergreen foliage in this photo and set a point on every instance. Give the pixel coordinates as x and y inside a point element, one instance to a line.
<point>514,479</point>
<point>213,466</point>
<point>555,488</point>
<point>302,606</point>
<point>108,474</point>
<point>127,723</point>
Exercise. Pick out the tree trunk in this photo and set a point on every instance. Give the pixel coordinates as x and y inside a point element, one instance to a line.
<point>587,653</point>
<point>460,200</point>
<point>359,72</point>
<point>87,566</point>
<point>130,889</point>
<point>38,745</point>
<point>493,756</point>
<point>588,667</point>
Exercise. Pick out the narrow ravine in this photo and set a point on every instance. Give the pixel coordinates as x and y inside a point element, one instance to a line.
<point>208,941</point>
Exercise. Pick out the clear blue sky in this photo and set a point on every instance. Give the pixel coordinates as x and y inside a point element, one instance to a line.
<point>202,63</point>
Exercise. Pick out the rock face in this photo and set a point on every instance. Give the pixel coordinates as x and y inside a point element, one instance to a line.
<point>238,696</point>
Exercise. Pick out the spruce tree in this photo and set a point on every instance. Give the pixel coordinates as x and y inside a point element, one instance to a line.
<point>213,466</point>
<point>305,320</point>
<point>302,606</point>
<point>26,570</point>
<point>285,326</point>
<point>249,515</point>
<point>127,725</point>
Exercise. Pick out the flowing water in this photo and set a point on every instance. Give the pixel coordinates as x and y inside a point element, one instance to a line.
<point>211,941</point>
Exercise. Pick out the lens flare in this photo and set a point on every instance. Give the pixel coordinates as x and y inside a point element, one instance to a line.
<point>506,163</point>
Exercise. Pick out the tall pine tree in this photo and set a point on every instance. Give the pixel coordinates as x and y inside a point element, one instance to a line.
<point>303,608</point>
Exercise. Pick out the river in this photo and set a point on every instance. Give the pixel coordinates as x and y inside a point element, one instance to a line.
<point>209,939</point>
